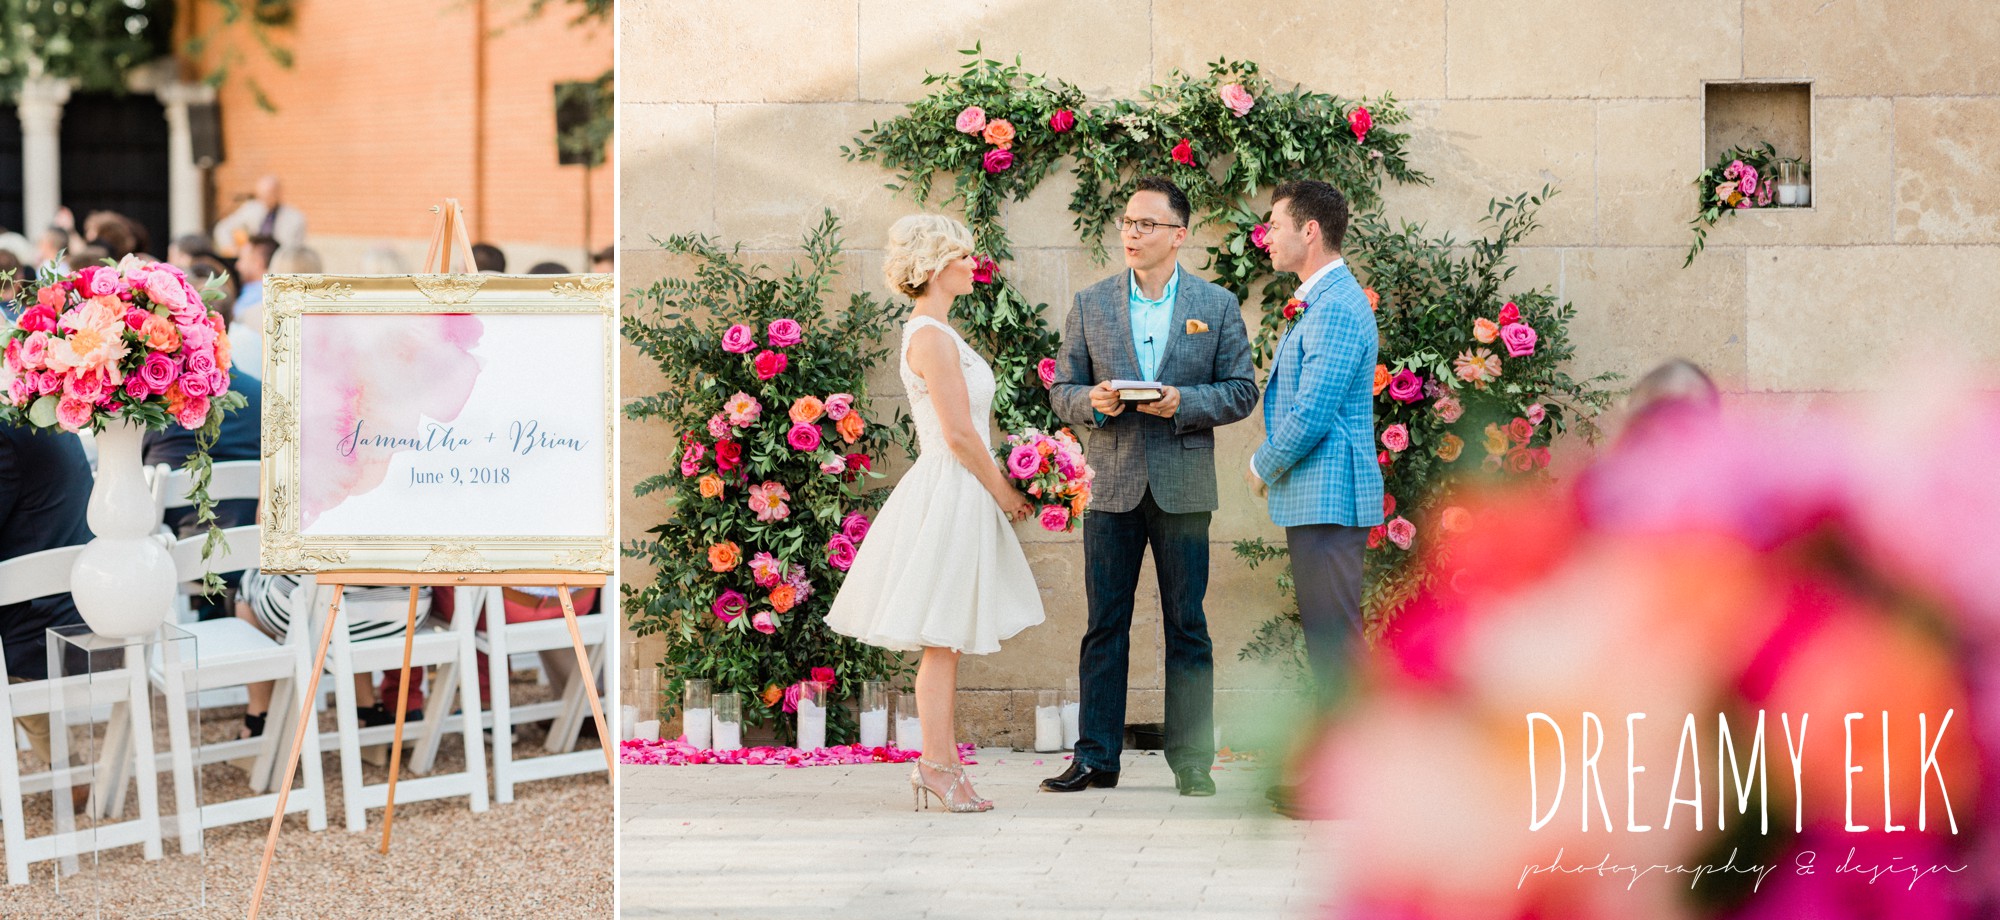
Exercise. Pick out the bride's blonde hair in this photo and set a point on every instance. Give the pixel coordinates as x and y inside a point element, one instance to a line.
<point>920,245</point>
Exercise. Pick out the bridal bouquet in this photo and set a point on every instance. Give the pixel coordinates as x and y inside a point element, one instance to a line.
<point>133,342</point>
<point>1051,469</point>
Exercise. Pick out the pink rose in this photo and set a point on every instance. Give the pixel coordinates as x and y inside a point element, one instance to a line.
<point>1519,339</point>
<point>1023,462</point>
<point>765,569</point>
<point>169,291</point>
<point>1359,121</point>
<point>136,388</point>
<point>35,351</point>
<point>1258,235</point>
<point>97,281</point>
<point>22,388</point>
<point>1535,414</point>
<point>1401,532</point>
<point>838,405</point>
<point>691,459</point>
<point>1237,99</point>
<point>1747,183</point>
<point>784,333</point>
<point>972,120</point>
<point>1449,409</point>
<point>135,318</point>
<point>803,437</point>
<point>48,382</point>
<point>199,362</point>
<point>764,623</point>
<point>1055,518</point>
<point>769,364</point>
<point>728,456</point>
<point>1062,121</point>
<point>73,414</point>
<point>195,384</point>
<point>1406,387</point>
<point>997,160</point>
<point>833,466</point>
<point>159,372</point>
<point>855,526</point>
<point>1396,437</point>
<point>87,386</point>
<point>739,340</point>
<point>1046,370</point>
<point>791,697</point>
<point>729,605</point>
<point>196,337</point>
<point>840,552</point>
<point>718,427</point>
<point>39,318</point>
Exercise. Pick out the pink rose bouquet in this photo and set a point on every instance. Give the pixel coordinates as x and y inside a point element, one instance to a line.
<point>1051,468</point>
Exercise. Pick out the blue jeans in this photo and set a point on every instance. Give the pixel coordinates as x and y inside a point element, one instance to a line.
<point>1114,544</point>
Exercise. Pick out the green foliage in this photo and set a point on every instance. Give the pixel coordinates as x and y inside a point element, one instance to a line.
<point>679,324</point>
<point>1718,191</point>
<point>260,21</point>
<point>94,42</point>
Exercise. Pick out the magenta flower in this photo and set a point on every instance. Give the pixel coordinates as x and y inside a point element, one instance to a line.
<point>1023,462</point>
<point>739,340</point>
<point>983,269</point>
<point>840,552</point>
<point>1046,370</point>
<point>769,364</point>
<point>855,526</point>
<point>718,426</point>
<point>1055,518</point>
<point>1258,235</point>
<point>1062,121</point>
<point>764,622</point>
<point>803,437</point>
<point>1519,339</point>
<point>997,160</point>
<point>1406,387</point>
<point>784,333</point>
<point>729,605</point>
<point>766,570</point>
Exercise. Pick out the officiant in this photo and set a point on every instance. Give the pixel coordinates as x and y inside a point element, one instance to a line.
<point>1178,350</point>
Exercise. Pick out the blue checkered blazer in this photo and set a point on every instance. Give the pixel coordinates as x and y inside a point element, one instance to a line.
<point>1318,455</point>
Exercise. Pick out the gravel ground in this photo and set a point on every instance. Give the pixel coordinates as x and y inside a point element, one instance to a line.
<point>547,854</point>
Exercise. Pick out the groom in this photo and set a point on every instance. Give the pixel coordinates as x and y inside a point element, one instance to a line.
<point>1318,457</point>
<point>1155,464</point>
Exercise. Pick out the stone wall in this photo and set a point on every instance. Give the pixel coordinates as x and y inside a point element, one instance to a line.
<point>732,116</point>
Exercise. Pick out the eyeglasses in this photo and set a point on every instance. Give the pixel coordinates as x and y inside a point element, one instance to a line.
<point>1145,227</point>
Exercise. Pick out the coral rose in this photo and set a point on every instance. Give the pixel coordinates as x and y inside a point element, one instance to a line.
<point>783,597</point>
<point>851,427</point>
<point>1449,447</point>
<point>1381,378</point>
<point>807,410</point>
<point>1485,330</point>
<point>1521,430</point>
<point>711,486</point>
<point>1000,133</point>
<point>723,557</point>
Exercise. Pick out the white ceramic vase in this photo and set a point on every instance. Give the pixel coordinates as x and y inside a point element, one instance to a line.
<point>123,582</point>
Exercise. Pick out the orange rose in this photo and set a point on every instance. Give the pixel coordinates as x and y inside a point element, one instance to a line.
<point>851,427</point>
<point>1449,447</point>
<point>1455,519</point>
<point>723,557</point>
<point>159,333</point>
<point>808,410</point>
<point>1381,378</point>
<point>1496,440</point>
<point>1000,133</point>
<point>223,349</point>
<point>711,486</point>
<point>783,597</point>
<point>1374,299</point>
<point>1485,330</point>
<point>772,694</point>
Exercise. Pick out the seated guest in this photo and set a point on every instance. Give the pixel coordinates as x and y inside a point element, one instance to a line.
<point>187,247</point>
<point>602,260</point>
<point>44,489</point>
<point>10,280</point>
<point>488,259</point>
<point>118,235</point>
<point>549,268</point>
<point>372,613</point>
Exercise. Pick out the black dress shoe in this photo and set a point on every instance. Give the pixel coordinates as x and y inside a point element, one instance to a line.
<point>1194,781</point>
<point>1080,777</point>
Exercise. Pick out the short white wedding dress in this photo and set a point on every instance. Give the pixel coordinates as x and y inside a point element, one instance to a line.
<point>941,565</point>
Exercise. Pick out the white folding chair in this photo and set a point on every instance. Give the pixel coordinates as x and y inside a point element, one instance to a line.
<point>233,653</point>
<point>230,479</point>
<point>123,690</point>
<point>451,646</point>
<point>570,710</point>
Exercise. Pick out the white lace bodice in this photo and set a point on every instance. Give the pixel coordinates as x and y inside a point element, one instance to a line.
<point>978,390</point>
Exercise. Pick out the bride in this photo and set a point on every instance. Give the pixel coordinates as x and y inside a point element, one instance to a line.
<point>941,570</point>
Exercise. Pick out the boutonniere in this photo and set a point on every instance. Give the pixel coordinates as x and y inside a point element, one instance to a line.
<point>1196,327</point>
<point>1294,308</point>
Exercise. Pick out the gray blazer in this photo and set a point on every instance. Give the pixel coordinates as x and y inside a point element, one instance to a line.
<point>1134,451</point>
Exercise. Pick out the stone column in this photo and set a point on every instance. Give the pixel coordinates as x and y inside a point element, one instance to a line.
<point>41,109</point>
<point>184,177</point>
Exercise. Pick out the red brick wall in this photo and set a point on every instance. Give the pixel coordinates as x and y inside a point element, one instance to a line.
<point>377,119</point>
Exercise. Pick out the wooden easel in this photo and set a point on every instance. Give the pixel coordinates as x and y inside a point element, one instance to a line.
<point>449,237</point>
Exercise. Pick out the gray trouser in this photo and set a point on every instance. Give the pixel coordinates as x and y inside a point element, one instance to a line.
<point>1326,572</point>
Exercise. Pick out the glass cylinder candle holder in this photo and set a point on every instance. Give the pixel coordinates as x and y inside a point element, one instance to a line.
<point>697,714</point>
<point>909,729</point>
<point>874,714</point>
<point>1048,721</point>
<point>645,705</point>
<point>812,716</point>
<point>727,721</point>
<point>1072,711</point>
<point>1794,190</point>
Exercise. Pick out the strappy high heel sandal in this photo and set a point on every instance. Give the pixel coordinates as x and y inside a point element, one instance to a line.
<point>957,796</point>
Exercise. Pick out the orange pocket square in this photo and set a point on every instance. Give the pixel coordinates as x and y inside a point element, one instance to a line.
<point>1195,326</point>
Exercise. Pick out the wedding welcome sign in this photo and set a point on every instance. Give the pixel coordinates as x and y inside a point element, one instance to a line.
<point>439,423</point>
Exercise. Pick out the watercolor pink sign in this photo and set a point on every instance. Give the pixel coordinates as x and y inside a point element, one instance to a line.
<point>480,425</point>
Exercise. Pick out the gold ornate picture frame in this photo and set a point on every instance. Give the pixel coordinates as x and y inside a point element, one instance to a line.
<point>439,423</point>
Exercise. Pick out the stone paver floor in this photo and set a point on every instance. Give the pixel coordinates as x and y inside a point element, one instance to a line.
<point>741,842</point>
